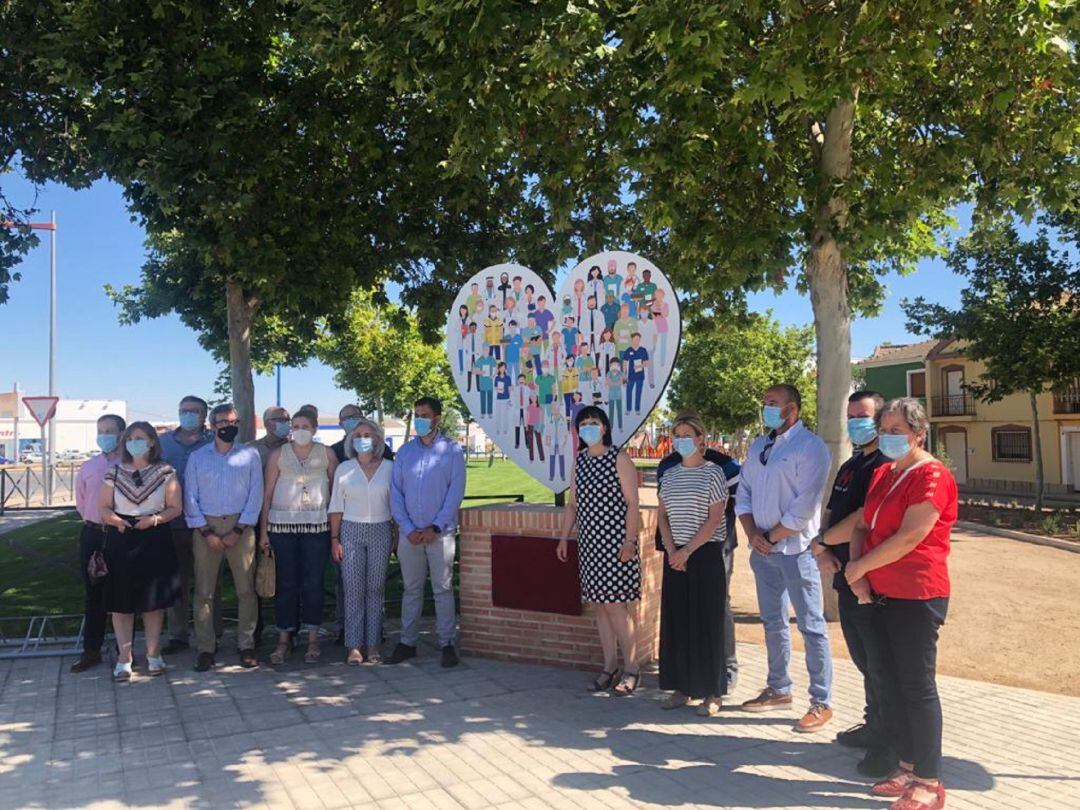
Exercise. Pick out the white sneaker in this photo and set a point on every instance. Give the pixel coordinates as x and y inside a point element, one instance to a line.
<point>155,666</point>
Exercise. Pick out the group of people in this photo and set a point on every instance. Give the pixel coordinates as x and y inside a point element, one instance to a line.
<point>536,364</point>
<point>884,540</point>
<point>161,513</point>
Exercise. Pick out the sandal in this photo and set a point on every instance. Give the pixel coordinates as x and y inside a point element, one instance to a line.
<point>909,802</point>
<point>373,658</point>
<point>155,666</point>
<point>355,658</point>
<point>895,784</point>
<point>628,685</point>
<point>122,672</point>
<point>313,652</point>
<point>603,681</point>
<point>675,700</point>
<point>281,653</point>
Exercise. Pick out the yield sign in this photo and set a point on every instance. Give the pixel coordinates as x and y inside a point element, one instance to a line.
<point>41,408</point>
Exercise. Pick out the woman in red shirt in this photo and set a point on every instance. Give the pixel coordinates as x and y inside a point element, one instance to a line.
<point>899,552</point>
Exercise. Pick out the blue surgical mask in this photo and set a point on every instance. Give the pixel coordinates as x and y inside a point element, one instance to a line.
<point>363,444</point>
<point>107,442</point>
<point>349,425</point>
<point>423,426</point>
<point>894,445</point>
<point>685,446</point>
<point>281,429</point>
<point>862,430</point>
<point>771,416</point>
<point>137,448</point>
<point>592,435</point>
<point>189,420</point>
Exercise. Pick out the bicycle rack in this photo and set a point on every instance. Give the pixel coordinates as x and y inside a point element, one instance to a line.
<point>42,636</point>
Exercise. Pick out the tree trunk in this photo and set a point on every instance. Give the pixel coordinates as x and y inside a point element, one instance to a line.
<point>242,309</point>
<point>827,273</point>
<point>1036,436</point>
<point>408,424</point>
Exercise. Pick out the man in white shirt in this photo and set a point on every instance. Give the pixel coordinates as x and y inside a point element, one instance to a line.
<point>779,507</point>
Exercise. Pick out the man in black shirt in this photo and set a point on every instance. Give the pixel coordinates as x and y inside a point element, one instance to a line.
<point>731,471</point>
<point>858,622</point>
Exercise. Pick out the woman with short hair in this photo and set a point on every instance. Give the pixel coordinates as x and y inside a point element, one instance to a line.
<point>138,498</point>
<point>693,496</point>
<point>899,560</point>
<point>362,538</point>
<point>295,524</point>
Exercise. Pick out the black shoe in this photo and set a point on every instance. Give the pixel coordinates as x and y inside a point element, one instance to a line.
<point>856,737</point>
<point>248,659</point>
<point>205,662</point>
<point>402,652</point>
<point>340,642</point>
<point>877,762</point>
<point>175,646</point>
<point>449,656</point>
<point>86,660</point>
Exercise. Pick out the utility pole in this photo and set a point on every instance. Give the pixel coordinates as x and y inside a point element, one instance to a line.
<point>51,470</point>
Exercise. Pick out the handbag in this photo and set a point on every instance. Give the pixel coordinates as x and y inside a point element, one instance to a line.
<point>265,575</point>
<point>96,567</point>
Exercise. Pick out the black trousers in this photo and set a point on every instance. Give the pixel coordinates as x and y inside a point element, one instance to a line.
<point>91,540</point>
<point>729,620</point>
<point>692,655</point>
<point>862,626</point>
<point>910,631</point>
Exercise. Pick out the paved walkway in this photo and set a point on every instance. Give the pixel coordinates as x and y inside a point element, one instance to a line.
<point>484,734</point>
<point>17,518</point>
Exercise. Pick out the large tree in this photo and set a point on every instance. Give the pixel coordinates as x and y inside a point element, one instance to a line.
<point>763,143</point>
<point>1019,315</point>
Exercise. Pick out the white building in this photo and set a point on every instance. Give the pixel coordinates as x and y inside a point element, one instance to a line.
<point>75,419</point>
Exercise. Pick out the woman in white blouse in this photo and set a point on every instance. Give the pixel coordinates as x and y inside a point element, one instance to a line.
<point>361,537</point>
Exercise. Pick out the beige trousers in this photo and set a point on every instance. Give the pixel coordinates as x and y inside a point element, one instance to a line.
<point>241,558</point>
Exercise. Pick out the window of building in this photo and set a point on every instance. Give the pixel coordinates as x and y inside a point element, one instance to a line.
<point>1011,443</point>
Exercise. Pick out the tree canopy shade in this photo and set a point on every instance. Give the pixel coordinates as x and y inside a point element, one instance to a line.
<point>762,142</point>
<point>1019,316</point>
<point>726,364</point>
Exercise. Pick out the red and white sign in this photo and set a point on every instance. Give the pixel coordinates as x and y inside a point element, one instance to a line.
<point>41,408</point>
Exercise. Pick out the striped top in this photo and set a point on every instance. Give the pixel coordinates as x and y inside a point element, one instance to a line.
<point>687,493</point>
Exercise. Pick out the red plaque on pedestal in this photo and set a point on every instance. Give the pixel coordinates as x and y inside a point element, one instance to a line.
<point>526,575</point>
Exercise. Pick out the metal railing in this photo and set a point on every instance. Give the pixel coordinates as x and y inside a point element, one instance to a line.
<point>953,405</point>
<point>24,487</point>
<point>1068,400</point>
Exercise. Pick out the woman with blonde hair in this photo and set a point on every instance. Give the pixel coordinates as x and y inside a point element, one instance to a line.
<point>138,498</point>
<point>294,522</point>
<point>693,497</point>
<point>361,537</point>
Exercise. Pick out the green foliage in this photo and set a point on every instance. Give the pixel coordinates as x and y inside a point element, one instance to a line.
<point>725,365</point>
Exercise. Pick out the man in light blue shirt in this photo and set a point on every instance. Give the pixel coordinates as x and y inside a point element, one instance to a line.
<point>779,507</point>
<point>426,489</point>
<point>223,490</point>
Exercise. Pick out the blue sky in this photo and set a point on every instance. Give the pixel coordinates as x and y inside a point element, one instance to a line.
<point>155,362</point>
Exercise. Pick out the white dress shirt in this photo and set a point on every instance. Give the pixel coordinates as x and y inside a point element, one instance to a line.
<point>358,499</point>
<point>788,488</point>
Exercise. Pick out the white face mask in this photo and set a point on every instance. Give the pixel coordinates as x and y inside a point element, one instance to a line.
<point>303,437</point>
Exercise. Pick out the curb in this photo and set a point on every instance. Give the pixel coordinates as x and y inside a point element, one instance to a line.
<point>1023,537</point>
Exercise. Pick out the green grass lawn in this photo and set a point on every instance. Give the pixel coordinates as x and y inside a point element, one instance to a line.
<point>39,564</point>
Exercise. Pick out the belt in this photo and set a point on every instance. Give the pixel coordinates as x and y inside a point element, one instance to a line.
<point>92,525</point>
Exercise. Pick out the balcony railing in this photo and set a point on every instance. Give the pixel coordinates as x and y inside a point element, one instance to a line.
<point>1068,401</point>
<point>953,405</point>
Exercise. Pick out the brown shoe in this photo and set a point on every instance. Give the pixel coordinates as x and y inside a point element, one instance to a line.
<point>814,720</point>
<point>768,699</point>
<point>86,661</point>
<point>248,659</point>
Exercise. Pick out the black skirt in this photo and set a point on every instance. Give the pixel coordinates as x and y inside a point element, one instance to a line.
<point>143,574</point>
<point>692,654</point>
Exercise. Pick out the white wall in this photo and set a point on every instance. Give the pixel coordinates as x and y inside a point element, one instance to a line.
<point>76,424</point>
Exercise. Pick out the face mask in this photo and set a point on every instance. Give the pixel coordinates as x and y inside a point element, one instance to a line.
<point>894,445</point>
<point>591,434</point>
<point>862,430</point>
<point>107,442</point>
<point>137,448</point>
<point>189,420</point>
<point>363,444</point>
<point>281,429</point>
<point>302,437</point>
<point>770,415</point>
<point>423,426</point>
<point>685,446</point>
<point>349,425</point>
<point>228,433</point>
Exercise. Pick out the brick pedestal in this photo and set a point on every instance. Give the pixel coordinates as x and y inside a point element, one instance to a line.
<point>539,637</point>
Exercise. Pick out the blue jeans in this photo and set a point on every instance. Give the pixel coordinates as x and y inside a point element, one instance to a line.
<point>300,562</point>
<point>793,579</point>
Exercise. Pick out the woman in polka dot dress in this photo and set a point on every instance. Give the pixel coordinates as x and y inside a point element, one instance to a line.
<point>604,503</point>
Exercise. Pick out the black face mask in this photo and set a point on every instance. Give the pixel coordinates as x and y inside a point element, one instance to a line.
<point>228,433</point>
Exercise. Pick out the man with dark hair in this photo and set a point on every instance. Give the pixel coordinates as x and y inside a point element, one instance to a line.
<point>426,489</point>
<point>87,486</point>
<point>731,471</point>
<point>858,622</point>
<point>176,448</point>
<point>349,417</point>
<point>779,506</point>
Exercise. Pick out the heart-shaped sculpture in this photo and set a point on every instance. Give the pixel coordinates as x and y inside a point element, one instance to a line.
<point>526,361</point>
